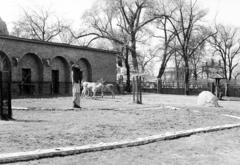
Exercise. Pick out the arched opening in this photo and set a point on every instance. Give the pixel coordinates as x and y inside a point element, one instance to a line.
<point>60,75</point>
<point>5,64</point>
<point>86,69</point>
<point>5,68</point>
<point>31,74</point>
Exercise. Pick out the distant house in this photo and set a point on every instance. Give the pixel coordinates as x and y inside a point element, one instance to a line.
<point>208,69</point>
<point>171,74</point>
<point>212,68</point>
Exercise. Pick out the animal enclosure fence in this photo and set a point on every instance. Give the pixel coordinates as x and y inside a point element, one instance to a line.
<point>195,87</point>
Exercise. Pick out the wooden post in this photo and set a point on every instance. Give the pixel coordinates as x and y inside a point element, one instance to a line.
<point>217,87</point>
<point>133,89</point>
<point>137,89</point>
<point>140,89</point>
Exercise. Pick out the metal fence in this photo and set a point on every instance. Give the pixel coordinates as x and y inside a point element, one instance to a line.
<point>195,87</point>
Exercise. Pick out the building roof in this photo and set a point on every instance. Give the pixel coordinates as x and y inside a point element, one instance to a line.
<point>56,44</point>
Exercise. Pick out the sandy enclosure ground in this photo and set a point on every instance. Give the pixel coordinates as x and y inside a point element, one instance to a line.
<point>216,148</point>
<point>108,120</point>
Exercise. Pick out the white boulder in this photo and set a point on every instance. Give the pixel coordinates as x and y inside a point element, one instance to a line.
<point>206,98</point>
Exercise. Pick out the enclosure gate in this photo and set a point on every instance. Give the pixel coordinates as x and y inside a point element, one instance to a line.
<point>5,95</point>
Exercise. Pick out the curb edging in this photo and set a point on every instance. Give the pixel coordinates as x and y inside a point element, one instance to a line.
<point>64,151</point>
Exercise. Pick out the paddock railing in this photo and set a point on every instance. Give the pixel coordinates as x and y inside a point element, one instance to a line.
<point>195,87</point>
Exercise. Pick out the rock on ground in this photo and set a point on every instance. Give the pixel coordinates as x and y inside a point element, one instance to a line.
<point>206,98</point>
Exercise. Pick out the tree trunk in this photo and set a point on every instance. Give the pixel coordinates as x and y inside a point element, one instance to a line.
<point>134,53</point>
<point>177,70</point>
<point>186,89</point>
<point>163,66</point>
<point>195,74</point>
<point>161,71</point>
<point>226,89</point>
<point>128,84</point>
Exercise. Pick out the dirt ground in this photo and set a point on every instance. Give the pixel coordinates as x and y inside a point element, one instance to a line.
<point>49,123</point>
<point>216,148</point>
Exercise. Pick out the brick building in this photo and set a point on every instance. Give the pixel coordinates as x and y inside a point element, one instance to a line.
<point>40,67</point>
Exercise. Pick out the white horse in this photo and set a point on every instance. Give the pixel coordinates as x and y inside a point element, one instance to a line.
<point>94,87</point>
<point>85,91</point>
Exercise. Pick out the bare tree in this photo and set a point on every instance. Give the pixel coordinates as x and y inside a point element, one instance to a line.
<point>165,34</point>
<point>167,47</point>
<point>38,24</point>
<point>226,45</point>
<point>130,17</point>
<point>185,22</point>
<point>103,21</point>
<point>135,19</point>
<point>121,22</point>
<point>178,65</point>
<point>196,58</point>
<point>145,58</point>
<point>67,37</point>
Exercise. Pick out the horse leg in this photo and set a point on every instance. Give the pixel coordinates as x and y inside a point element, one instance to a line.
<point>113,94</point>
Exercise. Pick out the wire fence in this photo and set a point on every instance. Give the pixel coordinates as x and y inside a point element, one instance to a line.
<point>50,89</point>
<point>195,87</point>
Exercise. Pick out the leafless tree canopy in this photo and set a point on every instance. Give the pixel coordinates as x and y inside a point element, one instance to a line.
<point>122,22</point>
<point>190,34</point>
<point>39,24</point>
<point>174,26</point>
<point>226,45</point>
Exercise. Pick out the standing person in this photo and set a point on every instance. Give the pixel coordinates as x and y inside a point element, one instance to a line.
<point>76,83</point>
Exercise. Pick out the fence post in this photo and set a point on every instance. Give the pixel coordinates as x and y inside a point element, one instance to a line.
<point>137,90</point>
<point>133,89</point>
<point>140,90</point>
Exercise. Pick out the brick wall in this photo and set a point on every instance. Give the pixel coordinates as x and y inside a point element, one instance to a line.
<point>43,57</point>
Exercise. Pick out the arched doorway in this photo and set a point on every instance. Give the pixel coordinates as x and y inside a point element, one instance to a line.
<point>5,87</point>
<point>86,69</point>
<point>5,64</point>
<point>31,74</point>
<point>60,75</point>
<point>5,68</point>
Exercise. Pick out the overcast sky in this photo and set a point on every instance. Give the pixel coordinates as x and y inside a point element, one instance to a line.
<point>226,11</point>
<point>10,10</point>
